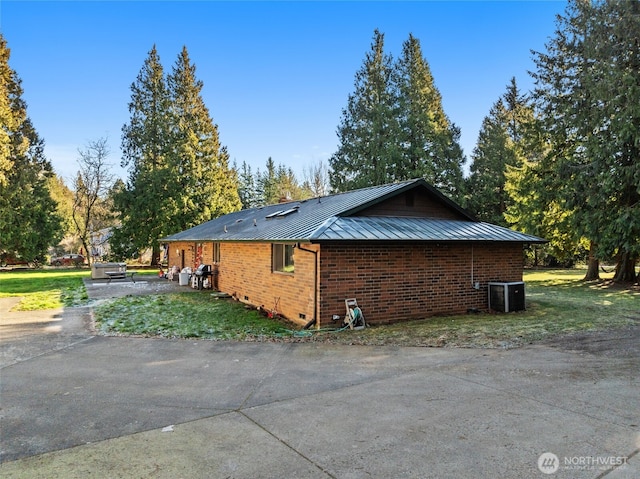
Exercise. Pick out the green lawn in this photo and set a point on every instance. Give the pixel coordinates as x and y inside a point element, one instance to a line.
<point>49,288</point>
<point>186,315</point>
<point>44,288</point>
<point>558,302</point>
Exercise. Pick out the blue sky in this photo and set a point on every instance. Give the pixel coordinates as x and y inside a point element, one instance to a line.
<point>276,74</point>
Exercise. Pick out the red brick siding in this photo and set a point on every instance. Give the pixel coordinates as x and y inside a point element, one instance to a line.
<point>245,272</point>
<point>190,249</point>
<point>394,281</point>
<point>175,254</point>
<point>391,281</point>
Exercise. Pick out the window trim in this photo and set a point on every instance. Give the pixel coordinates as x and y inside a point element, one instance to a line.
<point>215,253</point>
<point>279,258</point>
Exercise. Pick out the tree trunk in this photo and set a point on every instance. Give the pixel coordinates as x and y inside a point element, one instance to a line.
<point>87,251</point>
<point>593,267</point>
<point>625,269</point>
<point>155,255</point>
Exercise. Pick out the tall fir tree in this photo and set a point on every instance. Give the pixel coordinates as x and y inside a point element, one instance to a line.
<point>247,189</point>
<point>368,151</point>
<point>179,173</point>
<point>587,90</point>
<point>487,198</point>
<point>267,184</point>
<point>206,187</point>
<point>501,146</point>
<point>394,127</point>
<point>145,149</point>
<point>428,140</point>
<point>278,183</point>
<point>29,223</point>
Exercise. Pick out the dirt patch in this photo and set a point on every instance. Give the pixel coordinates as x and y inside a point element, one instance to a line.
<point>615,343</point>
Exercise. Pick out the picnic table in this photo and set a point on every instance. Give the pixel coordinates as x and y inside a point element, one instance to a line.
<point>120,275</point>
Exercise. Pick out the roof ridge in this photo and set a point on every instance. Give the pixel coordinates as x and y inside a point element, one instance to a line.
<point>331,195</point>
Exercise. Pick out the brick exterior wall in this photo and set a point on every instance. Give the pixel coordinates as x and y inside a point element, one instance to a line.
<point>393,281</point>
<point>245,272</point>
<point>182,254</point>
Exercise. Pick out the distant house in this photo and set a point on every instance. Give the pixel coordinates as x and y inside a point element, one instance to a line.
<point>403,250</point>
<point>100,247</point>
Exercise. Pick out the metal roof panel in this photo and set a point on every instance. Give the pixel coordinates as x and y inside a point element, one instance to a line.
<point>417,229</point>
<point>325,219</point>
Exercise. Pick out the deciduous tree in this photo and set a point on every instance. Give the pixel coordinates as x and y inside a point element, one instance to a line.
<point>92,185</point>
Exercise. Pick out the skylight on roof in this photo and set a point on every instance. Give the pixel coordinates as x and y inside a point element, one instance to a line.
<point>288,212</point>
<point>273,215</point>
<point>282,213</point>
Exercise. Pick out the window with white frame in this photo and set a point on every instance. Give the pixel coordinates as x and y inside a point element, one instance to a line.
<point>282,260</point>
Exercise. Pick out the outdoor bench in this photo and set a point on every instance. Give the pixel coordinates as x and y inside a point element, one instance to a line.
<point>120,275</point>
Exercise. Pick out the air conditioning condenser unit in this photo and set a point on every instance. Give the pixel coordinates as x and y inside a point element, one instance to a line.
<point>506,297</point>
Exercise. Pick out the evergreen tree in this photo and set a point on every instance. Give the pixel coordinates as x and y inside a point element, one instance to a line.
<point>267,184</point>
<point>29,223</point>
<point>12,114</point>
<point>179,174</point>
<point>587,89</point>
<point>500,146</point>
<point>429,142</point>
<point>142,204</point>
<point>394,127</point>
<point>278,183</point>
<point>533,206</point>
<point>368,152</point>
<point>205,186</point>
<point>247,190</point>
<point>63,197</point>
<point>487,198</point>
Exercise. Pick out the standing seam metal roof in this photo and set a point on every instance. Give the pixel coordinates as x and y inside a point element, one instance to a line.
<point>327,219</point>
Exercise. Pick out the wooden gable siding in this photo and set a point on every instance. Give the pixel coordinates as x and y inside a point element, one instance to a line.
<point>414,203</point>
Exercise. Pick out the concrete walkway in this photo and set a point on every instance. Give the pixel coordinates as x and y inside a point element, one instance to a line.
<point>75,405</point>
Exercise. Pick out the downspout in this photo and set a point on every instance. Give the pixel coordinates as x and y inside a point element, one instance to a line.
<point>315,287</point>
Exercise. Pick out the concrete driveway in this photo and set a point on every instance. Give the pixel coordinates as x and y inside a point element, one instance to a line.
<point>76,405</point>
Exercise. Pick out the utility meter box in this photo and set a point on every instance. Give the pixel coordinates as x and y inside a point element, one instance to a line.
<point>506,297</point>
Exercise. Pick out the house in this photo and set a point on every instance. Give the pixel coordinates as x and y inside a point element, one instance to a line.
<point>403,250</point>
